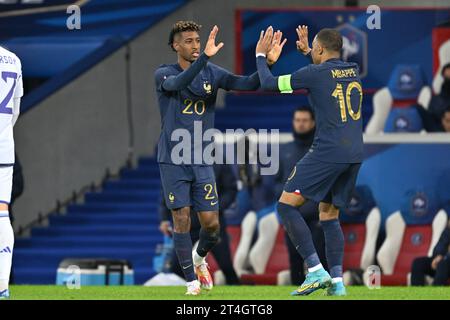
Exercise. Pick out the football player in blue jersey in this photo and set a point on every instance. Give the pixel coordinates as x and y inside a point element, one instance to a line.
<point>187,92</point>
<point>328,172</point>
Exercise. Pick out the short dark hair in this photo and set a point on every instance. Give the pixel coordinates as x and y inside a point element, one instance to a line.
<point>181,26</point>
<point>330,39</point>
<point>444,68</point>
<point>304,109</point>
<point>446,111</point>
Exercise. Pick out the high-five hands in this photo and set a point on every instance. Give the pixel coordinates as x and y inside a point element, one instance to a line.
<point>277,46</point>
<point>270,44</point>
<point>264,44</point>
<point>302,42</point>
<point>211,49</point>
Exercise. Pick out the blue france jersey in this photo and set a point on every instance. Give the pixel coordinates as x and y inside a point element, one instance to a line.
<point>335,94</point>
<point>194,105</point>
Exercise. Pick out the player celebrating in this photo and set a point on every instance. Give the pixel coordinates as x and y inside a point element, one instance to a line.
<point>11,91</point>
<point>187,93</point>
<point>327,174</point>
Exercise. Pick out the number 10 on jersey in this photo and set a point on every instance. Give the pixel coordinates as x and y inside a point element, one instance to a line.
<point>338,93</point>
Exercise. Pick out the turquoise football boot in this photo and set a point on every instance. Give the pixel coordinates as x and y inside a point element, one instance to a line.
<point>4,294</point>
<point>337,289</point>
<point>314,281</point>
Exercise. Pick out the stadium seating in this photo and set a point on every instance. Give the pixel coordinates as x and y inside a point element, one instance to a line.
<point>393,106</point>
<point>444,58</point>
<point>403,120</point>
<point>277,262</point>
<point>266,259</point>
<point>426,92</point>
<point>360,224</point>
<point>403,244</point>
<point>411,232</point>
<point>120,222</point>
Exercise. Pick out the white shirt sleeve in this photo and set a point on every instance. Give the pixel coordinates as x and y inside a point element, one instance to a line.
<point>18,93</point>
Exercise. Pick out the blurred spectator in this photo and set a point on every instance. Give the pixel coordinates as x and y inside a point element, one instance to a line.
<point>260,187</point>
<point>257,200</point>
<point>440,102</point>
<point>303,128</point>
<point>445,120</point>
<point>227,190</point>
<point>433,117</point>
<point>438,266</point>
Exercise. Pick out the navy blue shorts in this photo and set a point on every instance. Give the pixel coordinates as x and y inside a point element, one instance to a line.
<point>189,186</point>
<point>323,181</point>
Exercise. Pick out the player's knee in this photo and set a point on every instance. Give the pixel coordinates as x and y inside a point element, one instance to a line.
<point>324,216</point>
<point>328,211</point>
<point>181,220</point>
<point>212,227</point>
<point>291,199</point>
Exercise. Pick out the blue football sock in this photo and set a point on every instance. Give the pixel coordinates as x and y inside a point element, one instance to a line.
<point>334,245</point>
<point>182,243</point>
<point>299,233</point>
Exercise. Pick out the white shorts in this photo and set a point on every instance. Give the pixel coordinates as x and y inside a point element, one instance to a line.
<point>6,176</point>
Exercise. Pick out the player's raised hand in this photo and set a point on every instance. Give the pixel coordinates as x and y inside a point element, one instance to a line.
<point>211,48</point>
<point>264,44</point>
<point>302,42</point>
<point>277,47</point>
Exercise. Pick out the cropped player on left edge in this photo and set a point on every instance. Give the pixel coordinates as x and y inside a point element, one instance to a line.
<point>11,90</point>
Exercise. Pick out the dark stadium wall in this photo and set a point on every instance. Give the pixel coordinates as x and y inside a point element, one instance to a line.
<point>69,140</point>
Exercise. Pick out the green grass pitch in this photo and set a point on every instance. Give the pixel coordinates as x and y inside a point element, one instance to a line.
<point>22,292</point>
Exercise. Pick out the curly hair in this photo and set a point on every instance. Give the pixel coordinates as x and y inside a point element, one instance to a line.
<point>181,26</point>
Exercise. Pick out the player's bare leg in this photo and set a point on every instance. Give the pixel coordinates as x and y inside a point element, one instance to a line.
<point>6,249</point>
<point>209,236</point>
<point>334,242</point>
<point>300,235</point>
<point>183,247</point>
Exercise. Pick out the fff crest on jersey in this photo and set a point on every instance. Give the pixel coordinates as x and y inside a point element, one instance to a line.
<point>207,86</point>
<point>354,46</point>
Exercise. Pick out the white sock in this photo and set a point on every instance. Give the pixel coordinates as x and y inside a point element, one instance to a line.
<point>198,260</point>
<point>336,280</point>
<point>192,283</point>
<point>315,268</point>
<point>6,249</point>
